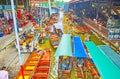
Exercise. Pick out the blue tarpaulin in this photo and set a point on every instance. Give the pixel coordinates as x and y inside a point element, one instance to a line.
<point>78,47</point>
<point>111,54</point>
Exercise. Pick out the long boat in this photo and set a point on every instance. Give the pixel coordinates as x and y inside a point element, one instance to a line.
<point>54,39</point>
<point>82,64</point>
<point>43,67</point>
<point>64,51</point>
<point>80,57</point>
<point>29,66</point>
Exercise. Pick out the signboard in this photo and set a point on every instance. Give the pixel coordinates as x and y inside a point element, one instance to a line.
<point>66,7</point>
<point>41,1</point>
<point>7,7</point>
<point>20,6</point>
<point>1,7</point>
<point>54,11</point>
<point>114,34</point>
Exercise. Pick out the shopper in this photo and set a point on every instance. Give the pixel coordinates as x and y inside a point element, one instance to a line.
<point>4,73</point>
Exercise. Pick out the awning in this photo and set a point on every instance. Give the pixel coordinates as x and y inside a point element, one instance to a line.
<point>106,68</point>
<point>41,0</point>
<point>111,54</point>
<point>78,47</point>
<point>65,46</point>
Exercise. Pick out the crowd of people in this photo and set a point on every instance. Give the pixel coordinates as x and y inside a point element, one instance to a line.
<point>6,23</point>
<point>23,17</point>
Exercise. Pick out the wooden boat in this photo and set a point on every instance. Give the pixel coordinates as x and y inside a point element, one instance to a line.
<point>80,29</point>
<point>41,38</point>
<point>64,51</point>
<point>29,66</point>
<point>87,30</point>
<point>54,39</point>
<point>92,69</point>
<point>82,70</point>
<point>81,62</point>
<point>43,67</point>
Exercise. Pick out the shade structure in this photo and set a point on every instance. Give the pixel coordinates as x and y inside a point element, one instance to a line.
<point>78,47</point>
<point>106,68</point>
<point>111,54</point>
<point>40,1</point>
<point>65,46</point>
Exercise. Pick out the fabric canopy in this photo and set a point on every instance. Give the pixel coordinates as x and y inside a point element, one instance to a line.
<point>78,47</point>
<point>106,68</point>
<point>111,54</point>
<point>65,46</point>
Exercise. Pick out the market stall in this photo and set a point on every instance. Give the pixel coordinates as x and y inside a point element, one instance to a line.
<point>80,57</point>
<point>105,66</point>
<point>64,51</point>
<point>43,66</point>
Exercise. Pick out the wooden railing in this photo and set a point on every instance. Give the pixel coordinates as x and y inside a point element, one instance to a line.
<point>96,27</point>
<point>102,31</point>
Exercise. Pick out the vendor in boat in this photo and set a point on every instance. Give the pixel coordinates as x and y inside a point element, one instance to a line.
<point>65,65</point>
<point>60,33</point>
<point>80,62</point>
<point>51,29</point>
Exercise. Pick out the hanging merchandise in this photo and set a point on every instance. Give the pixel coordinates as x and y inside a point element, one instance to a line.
<point>18,14</point>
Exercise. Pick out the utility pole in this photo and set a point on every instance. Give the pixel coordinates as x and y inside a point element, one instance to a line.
<point>17,39</point>
<point>49,3</point>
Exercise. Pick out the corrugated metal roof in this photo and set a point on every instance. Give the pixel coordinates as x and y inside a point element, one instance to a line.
<point>111,54</point>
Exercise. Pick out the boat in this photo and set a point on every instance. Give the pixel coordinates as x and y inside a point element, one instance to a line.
<point>54,39</point>
<point>80,57</point>
<point>43,67</point>
<point>41,38</point>
<point>29,66</point>
<point>83,65</point>
<point>64,51</point>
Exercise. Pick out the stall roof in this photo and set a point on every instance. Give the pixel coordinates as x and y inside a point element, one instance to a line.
<point>65,46</point>
<point>78,47</point>
<point>111,54</point>
<point>106,68</point>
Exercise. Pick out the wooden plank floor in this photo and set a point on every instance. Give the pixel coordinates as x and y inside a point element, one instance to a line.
<point>9,58</point>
